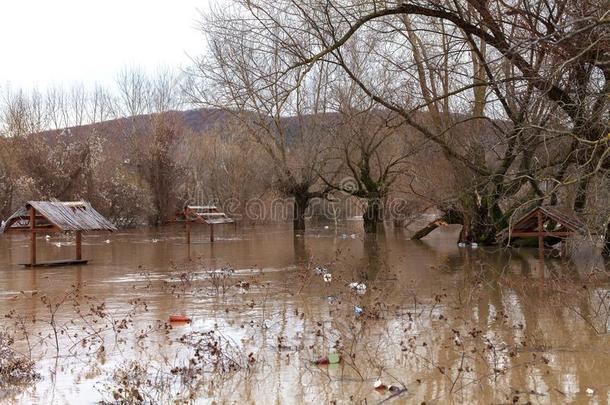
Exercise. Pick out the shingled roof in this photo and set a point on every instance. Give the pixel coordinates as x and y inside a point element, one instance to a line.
<point>59,216</point>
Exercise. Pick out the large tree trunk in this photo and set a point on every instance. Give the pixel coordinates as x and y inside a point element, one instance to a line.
<point>372,215</point>
<point>423,232</point>
<point>6,204</point>
<point>580,201</point>
<point>450,216</point>
<point>478,228</point>
<point>606,249</point>
<point>481,222</point>
<point>300,207</point>
<point>300,251</point>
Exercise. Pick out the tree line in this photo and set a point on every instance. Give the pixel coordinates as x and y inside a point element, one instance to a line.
<point>478,109</point>
<point>513,97</point>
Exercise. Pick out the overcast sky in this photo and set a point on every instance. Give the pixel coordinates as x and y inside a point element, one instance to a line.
<point>59,42</point>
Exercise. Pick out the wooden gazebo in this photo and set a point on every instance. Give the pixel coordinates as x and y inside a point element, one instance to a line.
<point>52,217</point>
<point>202,214</point>
<point>548,225</point>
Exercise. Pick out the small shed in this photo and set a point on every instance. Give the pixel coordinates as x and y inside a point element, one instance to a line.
<point>52,217</point>
<point>544,223</point>
<point>202,214</point>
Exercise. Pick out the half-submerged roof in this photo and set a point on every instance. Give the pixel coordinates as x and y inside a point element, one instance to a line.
<point>207,214</point>
<point>58,216</point>
<point>563,223</point>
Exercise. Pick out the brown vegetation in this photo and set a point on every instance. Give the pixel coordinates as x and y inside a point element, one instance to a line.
<point>491,109</point>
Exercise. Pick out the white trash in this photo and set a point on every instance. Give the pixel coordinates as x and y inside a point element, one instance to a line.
<point>360,288</point>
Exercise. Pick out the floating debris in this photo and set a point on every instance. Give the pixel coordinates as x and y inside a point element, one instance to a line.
<point>360,288</point>
<point>590,391</point>
<point>326,227</point>
<point>179,319</point>
<point>327,278</point>
<point>461,244</point>
<point>332,300</point>
<point>332,358</point>
<point>358,310</point>
<point>107,241</point>
<point>226,271</point>
<point>474,245</point>
<point>243,287</point>
<point>380,386</point>
<point>57,244</point>
<point>155,240</point>
<point>319,270</point>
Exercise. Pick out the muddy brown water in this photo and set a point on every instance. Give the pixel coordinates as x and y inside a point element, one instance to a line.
<point>444,324</point>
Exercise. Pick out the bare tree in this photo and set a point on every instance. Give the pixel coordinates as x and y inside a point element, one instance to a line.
<point>159,167</point>
<point>225,167</point>
<point>283,114</point>
<point>8,182</point>
<point>536,73</point>
<point>135,90</point>
<point>369,154</point>
<point>102,105</point>
<point>153,132</point>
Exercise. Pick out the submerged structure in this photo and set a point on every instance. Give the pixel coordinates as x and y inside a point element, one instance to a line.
<point>45,217</point>
<point>202,214</point>
<point>547,225</point>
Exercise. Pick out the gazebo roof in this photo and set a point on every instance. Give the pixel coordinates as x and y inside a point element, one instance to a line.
<point>528,223</point>
<point>58,216</point>
<point>207,214</point>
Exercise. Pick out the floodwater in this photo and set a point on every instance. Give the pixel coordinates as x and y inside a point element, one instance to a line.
<point>442,324</point>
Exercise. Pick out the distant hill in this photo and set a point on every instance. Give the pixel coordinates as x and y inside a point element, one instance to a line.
<point>203,120</point>
<point>195,120</point>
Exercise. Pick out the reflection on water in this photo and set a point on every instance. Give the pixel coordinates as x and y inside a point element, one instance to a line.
<point>447,324</point>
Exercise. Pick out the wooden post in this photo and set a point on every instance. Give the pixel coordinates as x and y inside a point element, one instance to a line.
<point>540,243</point>
<point>32,237</point>
<point>212,233</point>
<point>540,235</point>
<point>79,251</point>
<point>187,224</point>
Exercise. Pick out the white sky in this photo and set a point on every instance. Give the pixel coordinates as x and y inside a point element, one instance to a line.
<point>61,42</point>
